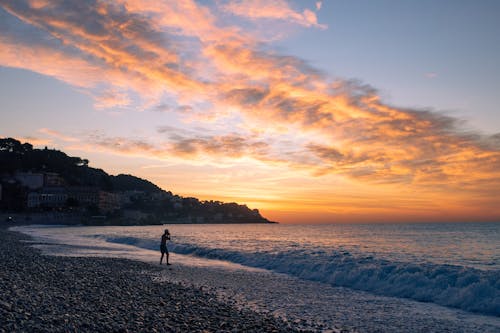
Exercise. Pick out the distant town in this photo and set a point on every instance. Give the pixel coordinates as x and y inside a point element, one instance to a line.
<point>48,186</point>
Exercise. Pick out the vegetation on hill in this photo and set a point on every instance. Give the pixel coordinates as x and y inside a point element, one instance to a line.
<point>131,183</point>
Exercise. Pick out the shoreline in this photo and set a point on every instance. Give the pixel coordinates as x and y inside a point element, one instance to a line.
<point>74,219</point>
<point>304,305</point>
<point>49,293</point>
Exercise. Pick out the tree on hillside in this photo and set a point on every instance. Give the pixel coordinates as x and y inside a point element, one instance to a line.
<point>13,146</point>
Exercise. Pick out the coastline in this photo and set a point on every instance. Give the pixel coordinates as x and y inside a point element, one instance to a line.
<point>48,293</point>
<point>60,218</point>
<point>309,306</point>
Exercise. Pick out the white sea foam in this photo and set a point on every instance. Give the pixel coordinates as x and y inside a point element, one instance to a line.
<point>455,286</point>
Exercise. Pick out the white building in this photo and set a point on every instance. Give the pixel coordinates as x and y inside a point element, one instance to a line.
<point>48,197</point>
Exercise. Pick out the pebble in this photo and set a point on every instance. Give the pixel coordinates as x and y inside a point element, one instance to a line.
<point>108,295</point>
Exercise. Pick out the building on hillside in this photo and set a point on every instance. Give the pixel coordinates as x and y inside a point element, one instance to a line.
<point>33,181</point>
<point>48,197</point>
<point>127,197</point>
<point>85,196</point>
<point>33,200</point>
<point>53,179</point>
<point>57,197</point>
<point>108,202</point>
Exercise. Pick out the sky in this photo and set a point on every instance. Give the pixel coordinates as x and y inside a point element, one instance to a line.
<point>311,111</point>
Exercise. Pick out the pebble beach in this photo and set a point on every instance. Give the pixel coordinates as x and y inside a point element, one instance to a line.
<point>47,293</point>
<point>91,279</point>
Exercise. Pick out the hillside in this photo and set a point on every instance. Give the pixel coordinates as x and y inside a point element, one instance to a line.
<point>123,193</point>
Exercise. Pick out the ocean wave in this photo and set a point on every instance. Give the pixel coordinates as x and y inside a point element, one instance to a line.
<point>460,287</point>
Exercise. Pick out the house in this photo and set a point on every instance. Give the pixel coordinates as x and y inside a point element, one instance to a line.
<point>108,202</point>
<point>85,196</point>
<point>53,179</point>
<point>127,197</point>
<point>48,197</point>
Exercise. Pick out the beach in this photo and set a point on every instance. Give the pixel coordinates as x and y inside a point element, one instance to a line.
<point>111,275</point>
<point>48,293</point>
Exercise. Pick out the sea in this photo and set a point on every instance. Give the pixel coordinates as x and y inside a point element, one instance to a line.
<point>446,273</point>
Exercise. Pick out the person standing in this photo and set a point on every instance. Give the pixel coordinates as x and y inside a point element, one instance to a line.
<point>163,245</point>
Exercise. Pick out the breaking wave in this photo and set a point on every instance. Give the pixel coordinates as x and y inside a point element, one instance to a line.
<point>460,287</point>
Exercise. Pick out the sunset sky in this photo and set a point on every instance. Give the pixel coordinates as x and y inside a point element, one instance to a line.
<point>311,111</point>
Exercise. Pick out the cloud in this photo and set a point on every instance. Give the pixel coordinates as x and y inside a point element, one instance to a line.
<point>135,147</point>
<point>185,18</point>
<point>57,135</point>
<point>112,98</point>
<point>272,9</point>
<point>232,145</point>
<point>202,142</point>
<point>48,60</point>
<point>182,57</point>
<point>35,140</point>
<point>94,44</point>
<point>246,63</point>
<point>179,145</point>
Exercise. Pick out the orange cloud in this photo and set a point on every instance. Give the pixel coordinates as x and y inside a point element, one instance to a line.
<point>48,61</point>
<point>94,45</point>
<point>186,17</point>
<point>35,141</point>
<point>112,98</point>
<point>58,135</point>
<point>232,146</point>
<point>273,9</point>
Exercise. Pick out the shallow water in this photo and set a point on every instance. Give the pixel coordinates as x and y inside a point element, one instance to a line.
<point>455,265</point>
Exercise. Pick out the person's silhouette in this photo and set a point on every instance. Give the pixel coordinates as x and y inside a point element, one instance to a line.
<point>163,245</point>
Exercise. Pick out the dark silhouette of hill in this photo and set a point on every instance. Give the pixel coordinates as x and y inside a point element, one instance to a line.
<point>147,198</point>
<point>131,183</point>
<point>15,157</point>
